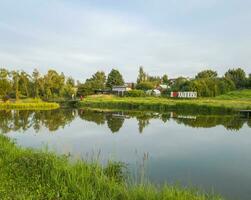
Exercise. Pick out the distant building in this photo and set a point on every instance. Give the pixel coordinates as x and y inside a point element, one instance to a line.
<point>119,90</point>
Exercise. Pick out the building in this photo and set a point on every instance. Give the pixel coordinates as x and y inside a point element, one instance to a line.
<point>119,90</point>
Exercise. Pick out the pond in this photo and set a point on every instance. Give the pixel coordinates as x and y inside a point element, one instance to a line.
<point>210,152</point>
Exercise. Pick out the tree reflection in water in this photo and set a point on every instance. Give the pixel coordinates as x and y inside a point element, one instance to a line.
<point>14,120</point>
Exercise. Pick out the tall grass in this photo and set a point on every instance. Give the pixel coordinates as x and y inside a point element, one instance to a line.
<point>244,94</point>
<point>28,105</point>
<point>164,104</point>
<point>31,174</point>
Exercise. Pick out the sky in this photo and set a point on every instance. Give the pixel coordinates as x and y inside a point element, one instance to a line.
<point>80,37</point>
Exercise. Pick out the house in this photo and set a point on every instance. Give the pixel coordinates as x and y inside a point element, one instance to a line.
<point>119,89</point>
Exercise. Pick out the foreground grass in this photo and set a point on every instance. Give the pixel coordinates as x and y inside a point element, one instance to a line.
<point>208,105</point>
<point>29,174</point>
<point>28,104</point>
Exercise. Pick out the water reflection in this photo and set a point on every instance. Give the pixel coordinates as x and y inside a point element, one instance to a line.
<point>14,120</point>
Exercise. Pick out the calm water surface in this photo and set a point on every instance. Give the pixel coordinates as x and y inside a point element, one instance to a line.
<point>212,152</point>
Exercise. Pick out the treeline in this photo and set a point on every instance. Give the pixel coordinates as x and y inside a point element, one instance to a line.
<point>20,84</point>
<point>207,83</point>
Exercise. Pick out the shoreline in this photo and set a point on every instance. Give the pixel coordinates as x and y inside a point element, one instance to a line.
<point>161,104</point>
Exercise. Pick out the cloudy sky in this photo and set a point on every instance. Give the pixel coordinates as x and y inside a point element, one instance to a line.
<point>79,37</point>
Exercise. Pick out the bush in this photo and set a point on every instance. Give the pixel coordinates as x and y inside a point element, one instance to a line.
<point>135,93</point>
<point>145,86</point>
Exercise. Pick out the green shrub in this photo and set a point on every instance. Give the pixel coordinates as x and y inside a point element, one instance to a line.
<point>135,93</point>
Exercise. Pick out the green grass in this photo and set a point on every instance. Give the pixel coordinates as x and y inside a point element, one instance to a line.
<point>238,94</point>
<point>31,174</point>
<point>28,104</point>
<point>208,105</point>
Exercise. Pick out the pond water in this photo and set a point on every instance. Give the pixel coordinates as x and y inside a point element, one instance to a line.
<point>211,152</point>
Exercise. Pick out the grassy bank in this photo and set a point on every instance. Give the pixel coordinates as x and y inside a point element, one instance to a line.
<point>208,105</point>
<point>29,174</point>
<point>28,104</point>
<point>237,95</point>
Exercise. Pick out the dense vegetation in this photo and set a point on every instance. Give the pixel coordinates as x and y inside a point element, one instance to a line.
<point>206,83</point>
<point>30,174</point>
<point>16,84</point>
<point>54,85</point>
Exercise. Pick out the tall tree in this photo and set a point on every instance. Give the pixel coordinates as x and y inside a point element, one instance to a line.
<point>164,79</point>
<point>25,83</point>
<point>5,84</point>
<point>206,74</point>
<point>142,77</point>
<point>114,78</point>
<point>35,82</point>
<point>238,76</point>
<point>16,79</point>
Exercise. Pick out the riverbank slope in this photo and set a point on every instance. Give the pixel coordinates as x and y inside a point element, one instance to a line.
<point>28,104</point>
<point>209,105</point>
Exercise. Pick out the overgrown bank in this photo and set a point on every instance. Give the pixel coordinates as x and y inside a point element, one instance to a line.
<point>30,174</point>
<point>208,105</point>
<point>29,106</point>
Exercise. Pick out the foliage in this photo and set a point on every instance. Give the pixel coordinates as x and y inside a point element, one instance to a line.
<point>142,77</point>
<point>210,87</point>
<point>206,74</point>
<point>18,84</point>
<point>114,79</point>
<point>32,174</point>
<point>145,86</point>
<point>135,93</point>
<point>164,79</point>
<point>238,76</point>
<point>96,82</point>
<point>179,84</point>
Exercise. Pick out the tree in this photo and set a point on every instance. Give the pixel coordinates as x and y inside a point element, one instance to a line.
<point>96,82</point>
<point>114,78</point>
<point>5,84</point>
<point>145,86</point>
<point>25,83</point>
<point>53,84</point>
<point>16,79</point>
<point>238,76</point>
<point>35,83</point>
<point>206,74</point>
<point>164,79</point>
<point>142,77</point>
<point>249,81</point>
